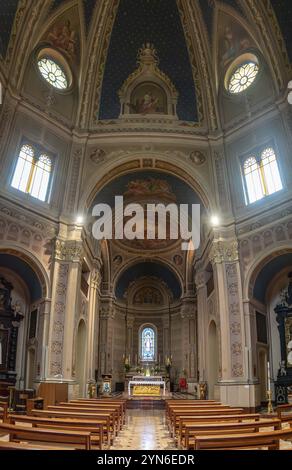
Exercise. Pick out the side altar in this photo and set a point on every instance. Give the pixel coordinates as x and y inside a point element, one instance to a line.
<point>146,386</point>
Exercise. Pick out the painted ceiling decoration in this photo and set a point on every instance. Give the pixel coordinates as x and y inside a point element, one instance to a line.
<point>144,184</point>
<point>64,35</point>
<point>139,22</point>
<point>283,12</point>
<point>8,9</point>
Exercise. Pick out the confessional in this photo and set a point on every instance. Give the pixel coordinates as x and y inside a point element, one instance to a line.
<point>10,320</point>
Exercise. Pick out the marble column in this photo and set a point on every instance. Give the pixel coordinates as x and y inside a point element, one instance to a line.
<point>106,337</point>
<point>233,384</point>
<point>65,297</point>
<point>44,324</point>
<point>202,315</point>
<point>93,321</point>
<point>188,318</point>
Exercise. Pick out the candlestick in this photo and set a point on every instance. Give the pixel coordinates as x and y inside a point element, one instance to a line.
<point>269,377</point>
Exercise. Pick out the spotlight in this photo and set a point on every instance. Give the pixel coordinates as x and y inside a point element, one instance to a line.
<point>215,221</point>
<point>79,220</point>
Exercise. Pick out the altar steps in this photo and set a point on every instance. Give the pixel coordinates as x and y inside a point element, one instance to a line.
<point>146,403</point>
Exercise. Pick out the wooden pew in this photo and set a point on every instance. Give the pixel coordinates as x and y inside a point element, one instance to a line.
<point>96,428</point>
<point>190,408</point>
<point>4,411</point>
<point>108,430</point>
<point>271,440</point>
<point>4,445</point>
<point>94,401</point>
<point>113,415</point>
<point>192,431</point>
<point>176,414</point>
<point>183,420</point>
<point>116,409</point>
<point>282,413</point>
<point>18,433</point>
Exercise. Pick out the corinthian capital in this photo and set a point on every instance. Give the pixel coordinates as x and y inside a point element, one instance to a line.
<point>224,251</point>
<point>68,250</point>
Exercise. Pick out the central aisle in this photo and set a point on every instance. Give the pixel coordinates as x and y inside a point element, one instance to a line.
<point>145,430</point>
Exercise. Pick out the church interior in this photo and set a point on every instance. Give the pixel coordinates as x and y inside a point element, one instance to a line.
<point>144,342</point>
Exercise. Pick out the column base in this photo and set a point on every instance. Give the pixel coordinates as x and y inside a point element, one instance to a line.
<point>239,395</point>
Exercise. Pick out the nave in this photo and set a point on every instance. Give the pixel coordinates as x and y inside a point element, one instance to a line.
<point>108,424</point>
<point>145,430</point>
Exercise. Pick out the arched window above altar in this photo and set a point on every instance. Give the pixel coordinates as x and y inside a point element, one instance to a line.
<point>148,341</point>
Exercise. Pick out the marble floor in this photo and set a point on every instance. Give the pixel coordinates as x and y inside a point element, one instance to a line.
<point>145,430</point>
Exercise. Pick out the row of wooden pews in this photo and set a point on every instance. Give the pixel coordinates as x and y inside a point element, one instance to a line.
<point>79,424</point>
<point>210,425</point>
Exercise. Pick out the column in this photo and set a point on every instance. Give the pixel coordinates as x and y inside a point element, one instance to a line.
<point>44,324</point>
<point>202,315</point>
<point>93,321</point>
<point>233,385</point>
<point>65,296</point>
<point>129,339</point>
<point>188,316</point>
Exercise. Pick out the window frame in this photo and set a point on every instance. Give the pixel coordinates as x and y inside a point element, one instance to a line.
<point>257,153</point>
<point>39,151</point>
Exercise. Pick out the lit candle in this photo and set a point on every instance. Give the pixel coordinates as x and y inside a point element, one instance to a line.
<point>269,378</point>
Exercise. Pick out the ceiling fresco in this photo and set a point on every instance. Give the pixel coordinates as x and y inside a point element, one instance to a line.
<point>157,22</point>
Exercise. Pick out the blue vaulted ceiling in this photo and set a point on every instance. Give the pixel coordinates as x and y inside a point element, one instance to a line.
<point>8,10</point>
<point>158,22</point>
<point>25,272</point>
<point>148,269</point>
<point>267,274</point>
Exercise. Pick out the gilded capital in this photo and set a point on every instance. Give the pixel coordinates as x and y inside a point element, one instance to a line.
<point>224,251</point>
<point>71,250</point>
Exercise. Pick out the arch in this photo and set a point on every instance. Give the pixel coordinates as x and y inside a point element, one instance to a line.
<point>159,267</point>
<point>81,347</point>
<point>258,264</point>
<point>213,359</point>
<point>152,328</point>
<point>112,170</point>
<point>32,261</point>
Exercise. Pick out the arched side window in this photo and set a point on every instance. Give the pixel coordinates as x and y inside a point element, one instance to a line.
<point>32,173</point>
<point>148,342</point>
<point>261,174</point>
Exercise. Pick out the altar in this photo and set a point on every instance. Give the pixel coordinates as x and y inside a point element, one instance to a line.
<point>150,386</point>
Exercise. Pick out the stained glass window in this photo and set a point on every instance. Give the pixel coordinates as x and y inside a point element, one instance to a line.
<point>53,73</point>
<point>148,344</point>
<point>243,77</point>
<point>32,173</point>
<point>261,174</point>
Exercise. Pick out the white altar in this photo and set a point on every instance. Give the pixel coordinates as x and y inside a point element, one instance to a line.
<point>146,385</point>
